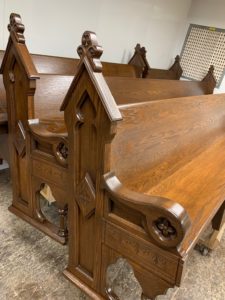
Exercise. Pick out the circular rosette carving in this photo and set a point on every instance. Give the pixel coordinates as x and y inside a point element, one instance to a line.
<point>167,230</point>
<point>164,227</point>
<point>60,151</point>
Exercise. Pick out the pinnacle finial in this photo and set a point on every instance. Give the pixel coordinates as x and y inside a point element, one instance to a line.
<point>91,49</point>
<point>16,28</point>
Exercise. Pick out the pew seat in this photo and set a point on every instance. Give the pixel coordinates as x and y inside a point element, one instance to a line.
<point>199,186</point>
<point>48,128</point>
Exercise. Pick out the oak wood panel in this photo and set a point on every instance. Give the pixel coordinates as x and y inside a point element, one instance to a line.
<point>161,74</point>
<point>169,136</point>
<point>133,90</point>
<point>48,98</point>
<point>46,64</point>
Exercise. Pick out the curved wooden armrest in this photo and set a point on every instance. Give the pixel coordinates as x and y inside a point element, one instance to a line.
<point>165,221</point>
<point>52,132</point>
<point>48,128</point>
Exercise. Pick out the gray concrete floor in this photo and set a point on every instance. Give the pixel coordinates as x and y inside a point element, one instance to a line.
<point>31,265</point>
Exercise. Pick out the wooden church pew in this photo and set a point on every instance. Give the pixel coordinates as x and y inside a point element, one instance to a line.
<point>50,91</point>
<point>21,84</point>
<point>145,180</point>
<point>139,57</point>
<point>120,215</point>
<point>54,65</point>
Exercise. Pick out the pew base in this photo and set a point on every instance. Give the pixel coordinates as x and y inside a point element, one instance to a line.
<point>82,286</point>
<point>46,227</point>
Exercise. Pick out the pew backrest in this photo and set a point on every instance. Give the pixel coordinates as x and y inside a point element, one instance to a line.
<point>134,90</point>
<point>156,138</point>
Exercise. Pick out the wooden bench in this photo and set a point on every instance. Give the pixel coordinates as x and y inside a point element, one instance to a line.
<point>20,82</point>
<point>145,180</point>
<point>50,92</point>
<point>53,65</point>
<point>139,57</point>
<point>45,104</point>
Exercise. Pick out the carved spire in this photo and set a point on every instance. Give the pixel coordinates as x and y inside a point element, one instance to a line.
<point>177,58</point>
<point>210,77</point>
<point>211,69</point>
<point>140,50</point>
<point>91,49</point>
<point>16,28</point>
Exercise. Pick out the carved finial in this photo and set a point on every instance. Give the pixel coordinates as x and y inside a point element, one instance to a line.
<point>140,50</point>
<point>89,47</point>
<point>16,28</point>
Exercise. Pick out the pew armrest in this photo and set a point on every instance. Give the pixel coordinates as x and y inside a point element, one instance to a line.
<point>166,221</point>
<point>52,133</point>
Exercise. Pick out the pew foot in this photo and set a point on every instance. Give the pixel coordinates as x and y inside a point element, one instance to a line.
<point>82,286</point>
<point>46,227</point>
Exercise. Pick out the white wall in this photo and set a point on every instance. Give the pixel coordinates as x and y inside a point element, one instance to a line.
<point>55,26</point>
<point>207,13</point>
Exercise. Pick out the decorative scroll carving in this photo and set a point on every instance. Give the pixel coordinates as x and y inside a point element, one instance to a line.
<point>86,196</point>
<point>90,48</point>
<point>16,28</point>
<point>164,227</point>
<point>153,213</point>
<point>60,151</point>
<point>20,139</point>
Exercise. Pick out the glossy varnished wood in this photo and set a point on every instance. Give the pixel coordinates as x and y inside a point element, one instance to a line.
<point>189,139</point>
<point>150,207</point>
<point>116,164</point>
<point>130,90</point>
<point>27,147</point>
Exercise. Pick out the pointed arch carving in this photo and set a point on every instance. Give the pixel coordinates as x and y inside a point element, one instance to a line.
<point>86,139</point>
